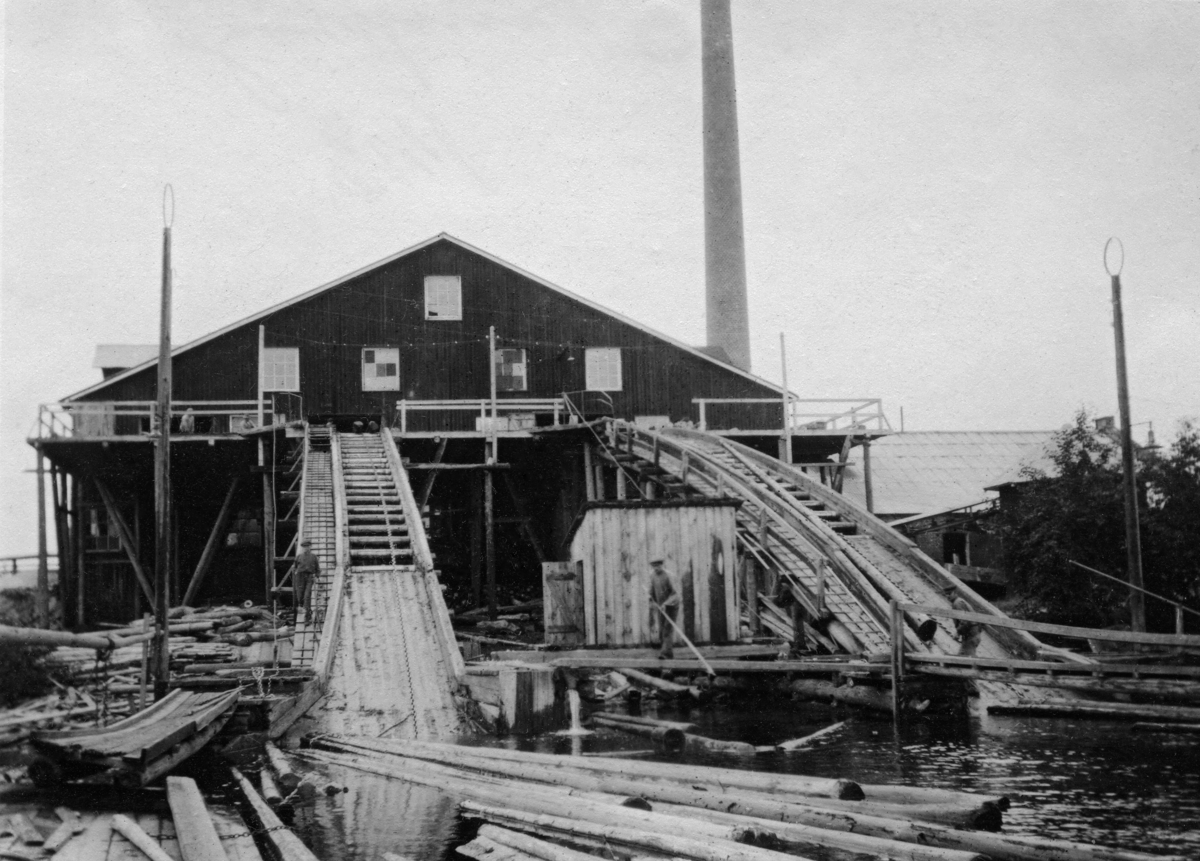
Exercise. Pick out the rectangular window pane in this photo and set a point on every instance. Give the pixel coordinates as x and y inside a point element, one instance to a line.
<point>510,371</point>
<point>381,369</point>
<point>602,368</point>
<point>281,369</point>
<point>443,297</point>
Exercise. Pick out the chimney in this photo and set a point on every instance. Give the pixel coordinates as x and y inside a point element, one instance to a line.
<point>724,248</point>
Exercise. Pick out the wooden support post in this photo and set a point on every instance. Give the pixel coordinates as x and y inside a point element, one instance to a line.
<point>43,572</point>
<point>77,548</point>
<point>897,656</point>
<point>622,482</point>
<point>162,468</point>
<point>867,486</point>
<point>214,542</point>
<point>526,526</point>
<point>839,475</point>
<point>427,488</point>
<point>589,478</point>
<point>489,525</point>
<point>820,602</point>
<point>268,495</point>
<point>126,539</point>
<point>62,540</point>
<point>477,541</point>
<point>599,480</point>
<point>683,472</point>
<point>751,581</point>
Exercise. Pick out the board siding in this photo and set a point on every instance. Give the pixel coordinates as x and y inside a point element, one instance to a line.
<point>449,359</point>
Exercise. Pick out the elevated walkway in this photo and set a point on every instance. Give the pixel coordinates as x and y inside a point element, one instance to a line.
<point>380,639</point>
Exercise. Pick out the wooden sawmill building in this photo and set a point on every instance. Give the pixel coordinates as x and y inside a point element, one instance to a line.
<point>404,342</point>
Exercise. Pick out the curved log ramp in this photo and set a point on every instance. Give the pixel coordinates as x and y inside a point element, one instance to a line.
<point>138,749</point>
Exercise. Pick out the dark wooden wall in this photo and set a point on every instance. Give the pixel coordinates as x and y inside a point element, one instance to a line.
<point>449,359</point>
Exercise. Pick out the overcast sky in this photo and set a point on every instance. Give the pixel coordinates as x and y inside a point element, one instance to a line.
<point>928,186</point>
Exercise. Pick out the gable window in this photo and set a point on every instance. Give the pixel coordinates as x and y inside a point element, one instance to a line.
<point>281,369</point>
<point>381,369</point>
<point>510,371</point>
<point>602,368</point>
<point>443,297</point>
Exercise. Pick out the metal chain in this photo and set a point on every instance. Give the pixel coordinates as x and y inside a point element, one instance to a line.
<point>238,834</point>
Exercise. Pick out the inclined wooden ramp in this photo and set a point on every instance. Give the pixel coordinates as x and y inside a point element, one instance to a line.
<point>393,662</point>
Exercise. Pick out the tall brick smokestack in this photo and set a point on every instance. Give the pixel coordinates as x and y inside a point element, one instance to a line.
<point>724,247</point>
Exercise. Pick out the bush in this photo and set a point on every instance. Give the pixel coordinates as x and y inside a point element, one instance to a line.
<point>24,673</point>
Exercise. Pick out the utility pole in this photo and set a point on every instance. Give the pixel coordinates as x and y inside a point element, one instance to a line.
<point>489,491</point>
<point>1133,540</point>
<point>162,464</point>
<point>785,440</point>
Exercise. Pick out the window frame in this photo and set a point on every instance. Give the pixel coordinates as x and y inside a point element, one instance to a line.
<point>270,380</point>
<point>524,363</point>
<point>593,354</point>
<point>393,352</point>
<point>433,283</point>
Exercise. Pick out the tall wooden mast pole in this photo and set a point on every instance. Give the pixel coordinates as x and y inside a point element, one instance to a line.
<point>1133,540</point>
<point>489,490</point>
<point>162,464</point>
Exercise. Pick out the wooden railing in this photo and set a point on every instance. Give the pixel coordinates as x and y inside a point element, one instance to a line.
<point>423,557</point>
<point>852,414</point>
<point>505,409</point>
<point>106,419</point>
<point>27,564</point>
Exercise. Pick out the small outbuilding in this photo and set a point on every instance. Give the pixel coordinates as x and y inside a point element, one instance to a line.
<point>601,596</point>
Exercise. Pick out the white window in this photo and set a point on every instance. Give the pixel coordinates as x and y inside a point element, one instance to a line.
<point>281,369</point>
<point>381,369</point>
<point>603,369</point>
<point>510,371</point>
<point>443,297</point>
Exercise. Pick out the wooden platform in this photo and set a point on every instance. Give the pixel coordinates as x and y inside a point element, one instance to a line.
<point>137,750</point>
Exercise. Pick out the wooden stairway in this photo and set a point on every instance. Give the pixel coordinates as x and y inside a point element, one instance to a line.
<point>377,529</point>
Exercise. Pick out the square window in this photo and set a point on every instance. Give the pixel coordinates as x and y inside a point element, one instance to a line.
<point>381,369</point>
<point>510,371</point>
<point>602,369</point>
<point>281,369</point>
<point>443,297</point>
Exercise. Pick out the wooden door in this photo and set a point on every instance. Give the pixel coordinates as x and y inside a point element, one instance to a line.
<point>562,606</point>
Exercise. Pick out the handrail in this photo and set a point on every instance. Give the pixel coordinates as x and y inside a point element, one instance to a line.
<point>323,660</point>
<point>341,541</point>
<point>862,412</point>
<point>422,555</point>
<point>481,405</point>
<point>1179,606</point>
<point>1135,637</point>
<point>52,421</point>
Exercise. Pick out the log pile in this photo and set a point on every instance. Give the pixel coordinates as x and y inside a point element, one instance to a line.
<point>104,674</point>
<point>558,807</point>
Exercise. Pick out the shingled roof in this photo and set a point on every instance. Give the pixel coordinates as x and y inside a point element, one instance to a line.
<point>931,471</point>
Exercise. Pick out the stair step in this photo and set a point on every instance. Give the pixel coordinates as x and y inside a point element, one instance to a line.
<point>379,554</point>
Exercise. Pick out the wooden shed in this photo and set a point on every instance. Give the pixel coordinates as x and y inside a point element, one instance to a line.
<point>601,597</point>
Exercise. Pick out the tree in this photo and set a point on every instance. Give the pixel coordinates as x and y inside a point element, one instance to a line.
<point>1077,513</point>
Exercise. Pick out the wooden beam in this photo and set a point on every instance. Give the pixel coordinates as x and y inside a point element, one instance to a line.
<point>526,527</point>
<point>214,541</point>
<point>489,526</point>
<point>589,478</point>
<point>427,490</point>
<point>126,539</point>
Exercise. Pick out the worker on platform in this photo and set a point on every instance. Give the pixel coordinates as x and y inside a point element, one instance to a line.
<point>308,569</point>
<point>664,607</point>
<point>969,633</point>
<point>187,422</point>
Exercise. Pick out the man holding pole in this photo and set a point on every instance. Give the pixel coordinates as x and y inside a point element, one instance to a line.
<point>664,604</point>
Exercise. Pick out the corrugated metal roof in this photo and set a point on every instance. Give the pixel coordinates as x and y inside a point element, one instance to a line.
<point>926,472</point>
<point>123,355</point>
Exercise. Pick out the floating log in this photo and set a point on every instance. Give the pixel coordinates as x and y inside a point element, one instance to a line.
<point>530,846</point>
<point>270,792</point>
<point>804,741</point>
<point>660,684</point>
<point>693,743</point>
<point>198,839</point>
<point>666,739</point>
<point>287,778</point>
<point>788,784</point>
<point>286,844</point>
<point>609,718</point>
<point>508,792</point>
<point>1143,726</point>
<point>148,846</point>
<point>1121,711</point>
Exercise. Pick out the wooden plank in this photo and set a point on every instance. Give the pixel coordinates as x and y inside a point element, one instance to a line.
<point>287,845</point>
<point>198,839</point>
<point>138,839</point>
<point>234,833</point>
<point>91,845</point>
